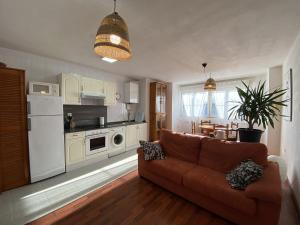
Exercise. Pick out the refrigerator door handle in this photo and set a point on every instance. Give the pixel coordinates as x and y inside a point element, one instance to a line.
<point>28,108</point>
<point>29,124</point>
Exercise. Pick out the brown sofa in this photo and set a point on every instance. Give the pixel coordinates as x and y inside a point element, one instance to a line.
<point>195,169</point>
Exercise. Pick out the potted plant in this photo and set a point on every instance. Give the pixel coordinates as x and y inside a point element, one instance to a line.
<point>256,106</point>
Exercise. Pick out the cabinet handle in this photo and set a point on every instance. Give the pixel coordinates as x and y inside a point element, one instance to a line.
<point>29,124</point>
<point>28,108</point>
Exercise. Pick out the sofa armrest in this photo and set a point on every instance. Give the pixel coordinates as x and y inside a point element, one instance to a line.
<point>268,187</point>
<point>139,150</point>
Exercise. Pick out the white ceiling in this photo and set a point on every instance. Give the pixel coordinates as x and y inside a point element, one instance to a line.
<point>170,38</point>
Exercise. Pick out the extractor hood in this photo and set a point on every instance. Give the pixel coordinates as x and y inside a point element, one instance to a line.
<point>91,94</point>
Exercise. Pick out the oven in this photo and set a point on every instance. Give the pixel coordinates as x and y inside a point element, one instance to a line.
<point>96,142</point>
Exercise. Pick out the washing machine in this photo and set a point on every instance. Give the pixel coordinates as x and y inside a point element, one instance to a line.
<point>116,141</point>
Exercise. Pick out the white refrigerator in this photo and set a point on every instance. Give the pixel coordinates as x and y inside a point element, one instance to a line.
<point>45,136</point>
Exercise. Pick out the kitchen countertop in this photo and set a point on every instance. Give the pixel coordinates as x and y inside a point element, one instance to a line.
<point>106,126</point>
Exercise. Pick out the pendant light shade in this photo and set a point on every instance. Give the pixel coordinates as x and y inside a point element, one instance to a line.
<point>112,39</point>
<point>210,84</point>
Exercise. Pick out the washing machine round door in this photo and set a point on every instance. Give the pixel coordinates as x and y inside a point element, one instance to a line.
<point>117,139</point>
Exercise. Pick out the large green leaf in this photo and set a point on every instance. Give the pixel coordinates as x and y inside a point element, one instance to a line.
<point>258,106</point>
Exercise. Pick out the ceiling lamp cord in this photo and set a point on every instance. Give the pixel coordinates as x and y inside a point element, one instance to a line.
<point>204,65</point>
<point>115,5</point>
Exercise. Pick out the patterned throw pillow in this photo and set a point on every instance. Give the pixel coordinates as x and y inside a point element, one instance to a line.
<point>152,151</point>
<point>244,174</point>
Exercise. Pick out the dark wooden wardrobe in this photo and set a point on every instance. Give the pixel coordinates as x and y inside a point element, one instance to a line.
<point>14,163</point>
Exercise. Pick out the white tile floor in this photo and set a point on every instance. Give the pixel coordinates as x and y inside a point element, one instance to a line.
<point>25,204</point>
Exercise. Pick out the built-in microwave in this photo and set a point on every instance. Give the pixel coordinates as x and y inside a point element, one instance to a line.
<point>41,88</point>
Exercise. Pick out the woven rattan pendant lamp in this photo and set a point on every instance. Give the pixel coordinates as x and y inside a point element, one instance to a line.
<point>112,39</point>
<point>210,84</point>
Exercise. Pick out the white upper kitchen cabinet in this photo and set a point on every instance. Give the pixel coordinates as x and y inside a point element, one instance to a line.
<point>75,147</point>
<point>92,85</point>
<point>70,88</point>
<point>131,92</point>
<point>110,89</point>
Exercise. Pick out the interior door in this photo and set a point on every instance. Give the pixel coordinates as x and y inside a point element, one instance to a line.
<point>14,166</point>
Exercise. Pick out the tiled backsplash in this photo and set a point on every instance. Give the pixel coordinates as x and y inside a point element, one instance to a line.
<point>86,115</point>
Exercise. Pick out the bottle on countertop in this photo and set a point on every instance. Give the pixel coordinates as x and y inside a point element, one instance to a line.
<point>69,121</point>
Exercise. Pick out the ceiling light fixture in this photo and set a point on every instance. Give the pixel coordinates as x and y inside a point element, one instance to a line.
<point>112,39</point>
<point>210,84</point>
<point>109,60</point>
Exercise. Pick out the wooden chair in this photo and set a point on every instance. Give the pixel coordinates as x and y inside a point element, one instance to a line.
<point>222,127</point>
<point>204,131</point>
<point>193,127</point>
<point>233,133</point>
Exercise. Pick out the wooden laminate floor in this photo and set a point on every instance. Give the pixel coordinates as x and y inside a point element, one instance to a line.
<point>131,200</point>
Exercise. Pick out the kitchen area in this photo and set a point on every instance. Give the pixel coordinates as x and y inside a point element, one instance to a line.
<point>65,125</point>
<point>88,137</point>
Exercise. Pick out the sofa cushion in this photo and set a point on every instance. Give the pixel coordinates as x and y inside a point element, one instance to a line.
<point>181,146</point>
<point>213,184</point>
<point>223,156</point>
<point>152,150</point>
<point>170,168</point>
<point>244,174</point>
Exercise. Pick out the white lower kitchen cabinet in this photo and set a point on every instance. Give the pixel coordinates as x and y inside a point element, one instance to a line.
<point>75,148</point>
<point>143,131</point>
<point>135,133</point>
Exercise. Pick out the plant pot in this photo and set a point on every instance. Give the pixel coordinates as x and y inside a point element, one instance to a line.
<point>250,135</point>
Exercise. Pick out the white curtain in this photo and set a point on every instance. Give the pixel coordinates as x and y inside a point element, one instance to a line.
<point>197,104</point>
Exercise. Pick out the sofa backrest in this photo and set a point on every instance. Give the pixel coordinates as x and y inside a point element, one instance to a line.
<point>181,146</point>
<point>224,156</point>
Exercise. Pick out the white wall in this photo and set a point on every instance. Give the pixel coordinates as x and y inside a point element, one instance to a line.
<point>290,137</point>
<point>144,93</point>
<point>169,106</point>
<point>274,134</point>
<point>39,68</point>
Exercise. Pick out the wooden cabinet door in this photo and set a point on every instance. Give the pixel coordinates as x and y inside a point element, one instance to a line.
<point>71,89</point>
<point>163,97</point>
<point>158,98</point>
<point>110,93</point>
<point>75,150</point>
<point>131,136</point>
<point>142,132</point>
<point>92,85</point>
<point>14,168</point>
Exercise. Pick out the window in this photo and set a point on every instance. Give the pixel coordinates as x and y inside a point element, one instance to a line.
<point>233,97</point>
<point>187,100</point>
<point>218,101</point>
<point>208,104</point>
<point>195,104</point>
